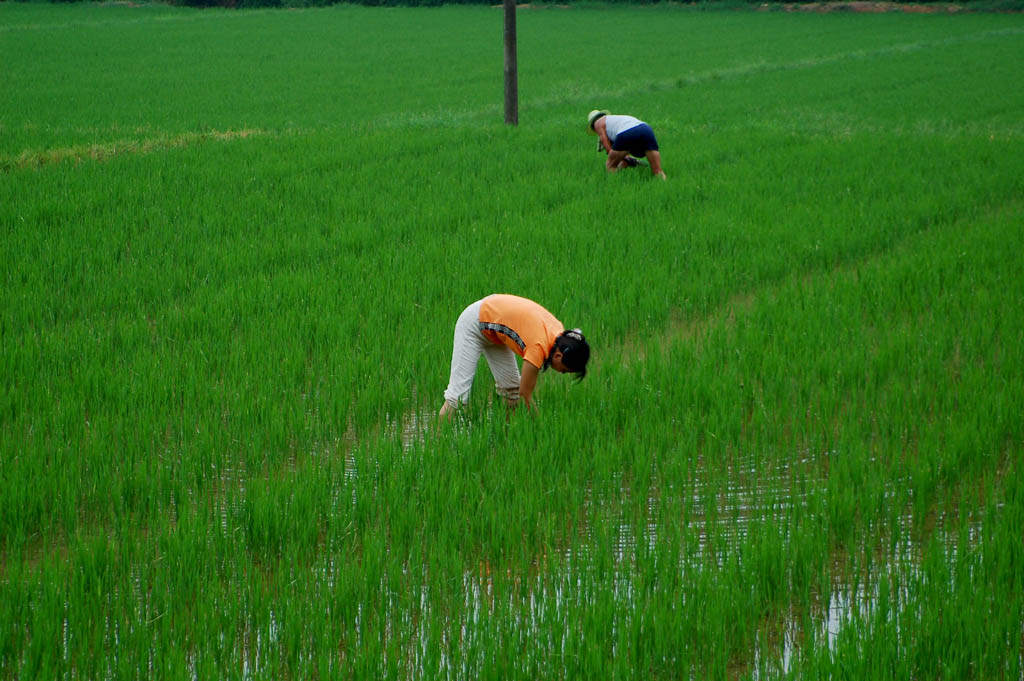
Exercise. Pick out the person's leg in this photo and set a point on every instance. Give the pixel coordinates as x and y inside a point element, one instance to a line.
<point>654,158</point>
<point>616,160</point>
<point>467,345</point>
<point>641,143</point>
<point>505,371</point>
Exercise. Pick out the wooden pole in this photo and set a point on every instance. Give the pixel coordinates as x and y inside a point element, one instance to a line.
<point>511,72</point>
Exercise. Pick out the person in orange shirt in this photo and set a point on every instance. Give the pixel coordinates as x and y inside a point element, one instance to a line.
<point>499,327</point>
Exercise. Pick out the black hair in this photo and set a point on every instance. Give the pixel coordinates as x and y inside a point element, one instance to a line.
<point>575,352</point>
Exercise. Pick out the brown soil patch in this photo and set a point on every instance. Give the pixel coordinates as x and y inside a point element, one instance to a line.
<point>864,6</point>
<point>103,152</point>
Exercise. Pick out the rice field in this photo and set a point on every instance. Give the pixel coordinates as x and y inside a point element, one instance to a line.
<point>233,247</point>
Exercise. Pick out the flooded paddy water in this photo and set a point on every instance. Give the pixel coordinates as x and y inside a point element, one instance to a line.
<point>716,568</point>
<point>719,526</point>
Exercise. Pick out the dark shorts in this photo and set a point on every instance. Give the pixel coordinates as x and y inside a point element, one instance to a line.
<point>637,141</point>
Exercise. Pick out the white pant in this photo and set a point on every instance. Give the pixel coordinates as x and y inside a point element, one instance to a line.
<point>468,345</point>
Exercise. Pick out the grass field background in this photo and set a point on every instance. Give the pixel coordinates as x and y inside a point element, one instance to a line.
<point>233,246</point>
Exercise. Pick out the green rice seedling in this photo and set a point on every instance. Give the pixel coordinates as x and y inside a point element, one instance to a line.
<point>794,454</point>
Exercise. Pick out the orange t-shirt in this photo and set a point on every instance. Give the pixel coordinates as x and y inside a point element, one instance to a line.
<point>524,326</point>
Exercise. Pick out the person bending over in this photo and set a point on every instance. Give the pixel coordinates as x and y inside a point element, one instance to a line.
<point>625,139</point>
<point>499,327</point>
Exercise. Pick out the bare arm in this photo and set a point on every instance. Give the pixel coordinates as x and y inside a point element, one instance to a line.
<point>602,133</point>
<point>527,382</point>
<point>615,158</point>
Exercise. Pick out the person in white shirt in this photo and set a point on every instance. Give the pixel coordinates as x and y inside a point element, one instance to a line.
<point>625,139</point>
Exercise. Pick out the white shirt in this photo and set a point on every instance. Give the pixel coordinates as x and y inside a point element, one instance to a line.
<point>613,125</point>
